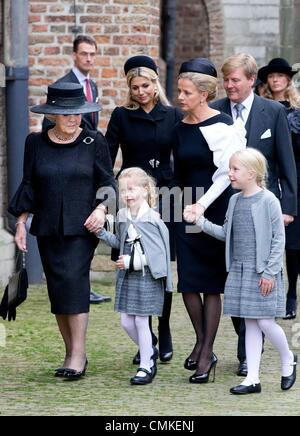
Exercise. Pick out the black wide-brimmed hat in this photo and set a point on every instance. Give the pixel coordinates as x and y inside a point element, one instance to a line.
<point>65,98</point>
<point>199,65</point>
<point>140,61</point>
<point>276,65</point>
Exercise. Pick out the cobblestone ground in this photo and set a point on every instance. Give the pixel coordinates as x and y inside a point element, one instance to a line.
<point>30,349</point>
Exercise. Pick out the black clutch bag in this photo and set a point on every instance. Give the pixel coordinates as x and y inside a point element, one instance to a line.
<point>15,291</point>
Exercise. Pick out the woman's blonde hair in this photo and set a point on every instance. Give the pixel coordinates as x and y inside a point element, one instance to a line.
<point>254,160</point>
<point>291,94</point>
<point>144,180</point>
<point>203,82</point>
<point>149,74</point>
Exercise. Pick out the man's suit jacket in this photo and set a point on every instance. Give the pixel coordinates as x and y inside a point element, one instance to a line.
<point>87,120</point>
<point>268,131</point>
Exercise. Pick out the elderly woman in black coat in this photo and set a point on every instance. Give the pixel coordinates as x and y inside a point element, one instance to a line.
<point>143,129</point>
<point>64,167</point>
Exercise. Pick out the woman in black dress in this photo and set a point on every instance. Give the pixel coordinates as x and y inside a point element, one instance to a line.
<point>277,77</point>
<point>143,129</point>
<point>205,140</point>
<point>63,169</point>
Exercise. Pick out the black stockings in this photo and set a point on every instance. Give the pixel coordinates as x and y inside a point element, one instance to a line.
<point>165,340</point>
<point>293,271</point>
<point>205,316</point>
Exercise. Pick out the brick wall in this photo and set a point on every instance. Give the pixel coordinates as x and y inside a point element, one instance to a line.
<point>121,28</point>
<point>192,37</point>
<point>199,32</point>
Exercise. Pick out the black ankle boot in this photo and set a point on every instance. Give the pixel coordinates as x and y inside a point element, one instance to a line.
<point>165,345</point>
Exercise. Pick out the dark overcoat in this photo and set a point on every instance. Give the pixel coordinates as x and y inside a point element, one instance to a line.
<point>60,182</point>
<point>145,139</point>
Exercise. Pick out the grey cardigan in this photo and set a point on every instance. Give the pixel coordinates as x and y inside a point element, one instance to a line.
<point>269,233</point>
<point>154,238</point>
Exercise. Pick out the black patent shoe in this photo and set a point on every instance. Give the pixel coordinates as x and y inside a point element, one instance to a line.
<point>137,358</point>
<point>59,372</point>
<point>291,308</point>
<point>242,369</point>
<point>287,382</point>
<point>73,374</point>
<point>137,380</point>
<point>244,390</point>
<point>204,376</point>
<point>190,364</point>
<point>290,315</point>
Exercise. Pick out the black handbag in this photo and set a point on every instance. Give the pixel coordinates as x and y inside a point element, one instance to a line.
<point>15,291</point>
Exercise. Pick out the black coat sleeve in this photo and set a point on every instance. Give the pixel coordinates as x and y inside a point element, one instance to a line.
<point>113,134</point>
<point>286,165</point>
<point>105,181</point>
<point>24,198</point>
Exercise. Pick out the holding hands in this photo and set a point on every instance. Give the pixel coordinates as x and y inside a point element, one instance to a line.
<point>95,222</point>
<point>193,212</point>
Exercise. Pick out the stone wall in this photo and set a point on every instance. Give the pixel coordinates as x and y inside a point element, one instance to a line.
<point>121,28</point>
<point>199,32</point>
<point>252,26</point>
<point>290,30</point>
<point>7,246</point>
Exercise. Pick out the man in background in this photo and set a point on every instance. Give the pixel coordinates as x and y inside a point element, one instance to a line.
<point>268,131</point>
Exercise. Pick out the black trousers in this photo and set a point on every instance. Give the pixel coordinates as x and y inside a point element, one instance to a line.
<point>240,329</point>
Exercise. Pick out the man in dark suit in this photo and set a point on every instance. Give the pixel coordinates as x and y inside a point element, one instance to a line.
<point>268,131</point>
<point>84,55</point>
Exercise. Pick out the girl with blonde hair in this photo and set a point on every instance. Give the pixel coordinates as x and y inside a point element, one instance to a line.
<point>143,130</point>
<point>254,289</point>
<point>144,272</point>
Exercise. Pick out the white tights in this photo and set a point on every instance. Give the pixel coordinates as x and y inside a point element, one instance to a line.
<point>275,334</point>
<point>137,328</point>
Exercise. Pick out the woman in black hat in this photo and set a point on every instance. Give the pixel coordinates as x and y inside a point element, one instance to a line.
<point>143,129</point>
<point>277,76</point>
<point>63,169</point>
<point>205,140</point>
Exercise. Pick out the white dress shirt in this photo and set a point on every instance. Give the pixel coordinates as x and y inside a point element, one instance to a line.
<point>247,103</point>
<point>81,78</point>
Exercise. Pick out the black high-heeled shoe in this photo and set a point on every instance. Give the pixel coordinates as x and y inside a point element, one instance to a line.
<point>204,376</point>
<point>59,372</point>
<point>73,374</point>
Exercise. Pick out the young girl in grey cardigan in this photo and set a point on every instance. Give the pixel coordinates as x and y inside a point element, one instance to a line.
<point>144,268</point>
<point>255,241</point>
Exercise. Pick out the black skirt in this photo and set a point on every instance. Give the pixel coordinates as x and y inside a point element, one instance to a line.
<point>66,261</point>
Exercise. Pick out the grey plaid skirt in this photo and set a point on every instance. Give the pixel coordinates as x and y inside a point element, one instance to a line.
<point>140,295</point>
<point>242,297</point>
